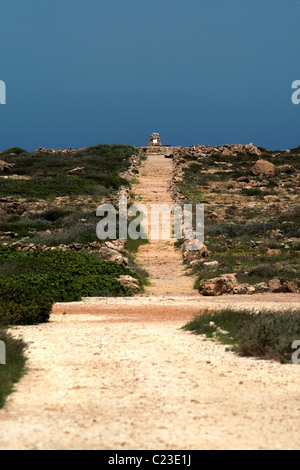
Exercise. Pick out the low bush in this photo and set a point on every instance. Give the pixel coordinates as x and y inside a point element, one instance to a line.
<point>31,282</point>
<point>268,334</point>
<point>49,172</point>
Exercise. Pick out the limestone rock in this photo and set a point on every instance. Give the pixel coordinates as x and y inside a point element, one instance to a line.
<point>6,167</point>
<point>274,285</point>
<point>288,286</point>
<point>263,168</point>
<point>218,286</point>
<point>242,289</point>
<point>261,287</point>
<point>215,216</point>
<point>193,251</point>
<point>80,171</point>
<point>286,169</point>
<point>211,264</point>
<point>130,282</point>
<point>113,255</point>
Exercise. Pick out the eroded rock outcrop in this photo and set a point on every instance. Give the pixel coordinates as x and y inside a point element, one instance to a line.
<point>5,167</point>
<point>130,283</point>
<point>218,286</point>
<point>263,168</point>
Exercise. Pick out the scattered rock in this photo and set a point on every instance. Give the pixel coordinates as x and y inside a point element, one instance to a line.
<point>242,289</point>
<point>215,216</point>
<point>80,171</point>
<point>286,169</point>
<point>6,167</point>
<point>273,252</point>
<point>218,286</point>
<point>264,168</point>
<point>288,286</point>
<point>261,287</point>
<point>8,235</point>
<point>274,285</point>
<point>243,179</point>
<point>194,251</point>
<point>211,264</point>
<point>130,282</point>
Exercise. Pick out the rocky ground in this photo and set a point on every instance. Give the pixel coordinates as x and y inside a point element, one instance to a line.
<point>252,216</point>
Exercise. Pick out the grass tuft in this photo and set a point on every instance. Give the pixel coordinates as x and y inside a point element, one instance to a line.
<point>266,334</point>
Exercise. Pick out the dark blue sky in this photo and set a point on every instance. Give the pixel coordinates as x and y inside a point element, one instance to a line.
<point>83,72</point>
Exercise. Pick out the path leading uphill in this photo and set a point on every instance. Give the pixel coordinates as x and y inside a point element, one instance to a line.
<point>160,258</point>
<point>121,374</point>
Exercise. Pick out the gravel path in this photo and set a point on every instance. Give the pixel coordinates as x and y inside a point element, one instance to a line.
<point>121,374</point>
<point>161,260</point>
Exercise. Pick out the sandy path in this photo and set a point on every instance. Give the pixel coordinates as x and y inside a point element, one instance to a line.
<point>103,381</point>
<point>163,262</point>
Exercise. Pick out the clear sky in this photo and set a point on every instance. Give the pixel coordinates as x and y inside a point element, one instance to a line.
<point>84,72</point>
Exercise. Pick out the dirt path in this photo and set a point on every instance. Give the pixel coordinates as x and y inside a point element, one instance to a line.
<point>163,262</point>
<point>110,380</point>
<point>121,374</point>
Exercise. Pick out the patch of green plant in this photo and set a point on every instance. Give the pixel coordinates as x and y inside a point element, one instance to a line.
<point>14,369</point>
<point>252,192</point>
<point>49,177</point>
<point>31,282</point>
<point>296,150</point>
<point>266,334</point>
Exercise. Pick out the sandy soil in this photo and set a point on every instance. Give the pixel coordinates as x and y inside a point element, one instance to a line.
<point>106,381</point>
<point>163,262</point>
<point>121,374</point>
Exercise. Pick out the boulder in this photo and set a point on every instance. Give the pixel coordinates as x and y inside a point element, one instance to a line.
<point>242,289</point>
<point>273,252</point>
<point>9,235</point>
<point>193,251</point>
<point>289,287</point>
<point>261,287</point>
<point>252,150</point>
<point>6,167</point>
<point>80,171</point>
<point>286,169</point>
<point>218,286</point>
<point>243,179</point>
<point>130,282</point>
<point>274,285</point>
<point>113,255</point>
<point>263,168</point>
<point>211,264</point>
<point>215,216</point>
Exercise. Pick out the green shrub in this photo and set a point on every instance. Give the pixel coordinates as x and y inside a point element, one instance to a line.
<point>15,150</point>
<point>270,335</point>
<point>49,172</point>
<point>252,192</point>
<point>15,365</point>
<point>296,150</point>
<point>266,334</point>
<point>32,282</point>
<point>34,310</point>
